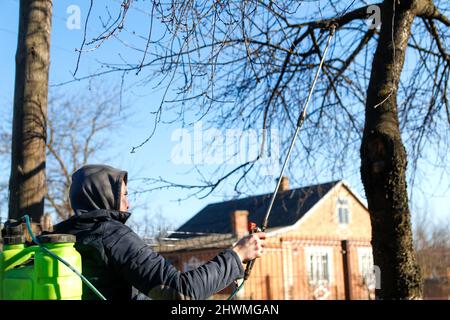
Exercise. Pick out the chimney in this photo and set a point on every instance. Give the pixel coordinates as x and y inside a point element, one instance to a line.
<point>284,185</point>
<point>239,223</point>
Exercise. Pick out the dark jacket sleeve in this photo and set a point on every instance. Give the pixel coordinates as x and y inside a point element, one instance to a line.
<point>151,274</point>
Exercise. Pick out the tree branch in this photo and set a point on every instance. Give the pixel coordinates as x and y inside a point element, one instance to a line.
<point>54,153</point>
<point>61,213</point>
<point>432,12</point>
<point>431,27</point>
<point>360,13</point>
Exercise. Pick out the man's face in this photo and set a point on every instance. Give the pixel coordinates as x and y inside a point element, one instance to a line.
<point>124,205</point>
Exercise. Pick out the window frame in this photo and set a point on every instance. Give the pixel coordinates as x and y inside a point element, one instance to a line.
<point>342,203</point>
<point>322,267</point>
<point>364,271</point>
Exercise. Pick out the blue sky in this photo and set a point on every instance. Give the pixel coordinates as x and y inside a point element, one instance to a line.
<point>154,158</point>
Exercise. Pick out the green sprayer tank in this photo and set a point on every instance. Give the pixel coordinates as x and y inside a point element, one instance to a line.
<point>29,273</point>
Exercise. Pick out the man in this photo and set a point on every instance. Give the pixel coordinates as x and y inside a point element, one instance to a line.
<point>115,259</point>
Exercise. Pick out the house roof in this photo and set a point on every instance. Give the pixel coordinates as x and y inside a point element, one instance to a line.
<point>288,208</point>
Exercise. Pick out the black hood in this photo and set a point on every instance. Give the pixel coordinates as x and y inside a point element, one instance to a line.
<point>96,187</point>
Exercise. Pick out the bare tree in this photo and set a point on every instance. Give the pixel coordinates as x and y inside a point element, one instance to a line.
<point>5,149</point>
<point>432,245</point>
<point>79,126</point>
<point>27,180</point>
<point>79,131</point>
<point>249,64</point>
<point>152,227</point>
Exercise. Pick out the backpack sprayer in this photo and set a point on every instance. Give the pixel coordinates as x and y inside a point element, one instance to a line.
<point>48,270</point>
<point>252,226</point>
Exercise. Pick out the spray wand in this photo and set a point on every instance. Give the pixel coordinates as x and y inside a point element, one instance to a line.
<point>300,121</point>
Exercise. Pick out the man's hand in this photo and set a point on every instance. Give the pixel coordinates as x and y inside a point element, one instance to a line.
<point>250,247</point>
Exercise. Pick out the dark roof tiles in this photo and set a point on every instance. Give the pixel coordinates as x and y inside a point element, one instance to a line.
<point>288,208</point>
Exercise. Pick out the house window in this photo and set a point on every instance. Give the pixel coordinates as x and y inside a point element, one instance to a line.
<point>366,268</point>
<point>319,265</point>
<point>343,211</point>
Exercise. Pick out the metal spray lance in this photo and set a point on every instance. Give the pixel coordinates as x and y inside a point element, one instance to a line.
<point>300,121</point>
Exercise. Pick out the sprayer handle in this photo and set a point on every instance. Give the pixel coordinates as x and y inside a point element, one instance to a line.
<point>248,269</point>
<point>252,228</point>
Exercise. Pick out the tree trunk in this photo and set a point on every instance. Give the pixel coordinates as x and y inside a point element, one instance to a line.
<point>27,185</point>
<point>384,160</point>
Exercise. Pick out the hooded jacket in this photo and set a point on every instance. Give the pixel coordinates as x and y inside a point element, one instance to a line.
<point>115,259</point>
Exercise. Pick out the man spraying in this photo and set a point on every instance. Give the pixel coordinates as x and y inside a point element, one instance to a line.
<point>115,259</point>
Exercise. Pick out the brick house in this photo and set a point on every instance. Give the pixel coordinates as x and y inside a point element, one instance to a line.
<point>317,247</point>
